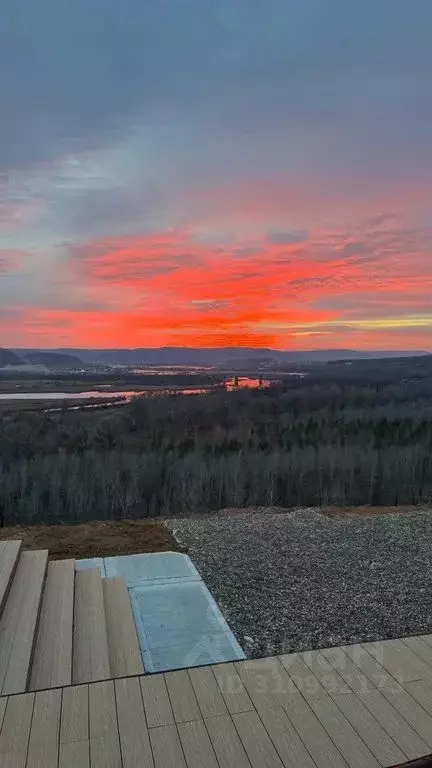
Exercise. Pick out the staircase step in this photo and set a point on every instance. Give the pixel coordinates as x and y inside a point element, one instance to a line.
<point>19,621</point>
<point>90,644</point>
<point>52,661</point>
<point>9,554</point>
<point>124,651</point>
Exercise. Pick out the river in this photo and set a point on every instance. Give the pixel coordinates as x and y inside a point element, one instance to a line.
<point>112,397</point>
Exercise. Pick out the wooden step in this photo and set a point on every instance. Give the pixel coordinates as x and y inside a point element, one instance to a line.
<point>124,653</point>
<point>19,621</point>
<point>9,554</point>
<point>52,661</point>
<point>90,644</point>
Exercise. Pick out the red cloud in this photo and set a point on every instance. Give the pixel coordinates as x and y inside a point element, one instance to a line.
<point>170,288</point>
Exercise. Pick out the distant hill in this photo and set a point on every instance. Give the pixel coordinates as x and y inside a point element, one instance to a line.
<point>50,359</point>
<point>203,356</point>
<point>8,358</point>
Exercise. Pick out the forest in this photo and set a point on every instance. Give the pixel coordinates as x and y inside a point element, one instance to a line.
<point>345,434</point>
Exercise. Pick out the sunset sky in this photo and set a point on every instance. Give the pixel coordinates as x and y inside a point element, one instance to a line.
<point>216,172</point>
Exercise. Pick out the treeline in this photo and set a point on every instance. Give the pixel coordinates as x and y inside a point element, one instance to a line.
<point>117,484</point>
<point>326,439</point>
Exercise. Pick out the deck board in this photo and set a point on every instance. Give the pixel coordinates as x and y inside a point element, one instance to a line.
<point>74,748</point>
<point>9,555</point>
<point>399,661</point>
<point>368,665</point>
<point>317,693</point>
<point>373,734</point>
<point>325,673</point>
<point>15,732</point>
<point>197,747</point>
<point>90,643</point>
<point>344,736</point>
<point>426,638</point>
<point>396,726</point>
<point>75,719</point>
<point>52,662</point>
<point>226,743</point>
<point>124,652</point>
<point>157,704</point>
<point>270,688</point>
<point>134,739</point>
<point>166,747</point>
<point>183,700</point>
<point>3,703</point>
<point>266,679</point>
<point>19,620</point>
<point>352,675</point>
<point>420,647</point>
<point>269,685</point>
<point>309,727</point>
<point>256,741</point>
<point>233,691</point>
<point>73,754</point>
<point>411,711</point>
<point>422,693</point>
<point>207,692</point>
<point>104,736</point>
<point>44,734</point>
<point>284,736</point>
<point>303,677</point>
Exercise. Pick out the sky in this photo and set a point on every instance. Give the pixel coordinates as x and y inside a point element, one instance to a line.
<point>216,172</point>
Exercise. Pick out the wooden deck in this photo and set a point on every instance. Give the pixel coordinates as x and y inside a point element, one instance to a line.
<point>59,626</point>
<point>360,706</point>
<point>73,693</point>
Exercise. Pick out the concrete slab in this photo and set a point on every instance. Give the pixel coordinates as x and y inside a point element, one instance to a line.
<point>177,620</point>
<point>179,625</point>
<point>136,569</point>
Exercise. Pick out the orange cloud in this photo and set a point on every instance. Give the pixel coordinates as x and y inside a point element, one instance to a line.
<point>367,286</point>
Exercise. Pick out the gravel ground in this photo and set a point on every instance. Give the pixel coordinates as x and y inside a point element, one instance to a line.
<point>298,580</point>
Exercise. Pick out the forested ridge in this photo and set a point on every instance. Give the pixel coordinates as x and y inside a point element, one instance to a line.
<point>343,435</point>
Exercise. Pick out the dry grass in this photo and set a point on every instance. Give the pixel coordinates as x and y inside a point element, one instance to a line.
<point>94,539</point>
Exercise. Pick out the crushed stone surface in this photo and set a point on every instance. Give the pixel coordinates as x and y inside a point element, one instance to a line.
<point>297,580</point>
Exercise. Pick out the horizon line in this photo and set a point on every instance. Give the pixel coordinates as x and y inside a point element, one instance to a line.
<point>223,347</point>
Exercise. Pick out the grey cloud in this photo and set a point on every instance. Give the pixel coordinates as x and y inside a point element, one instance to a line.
<point>380,220</point>
<point>352,249</point>
<point>209,305</point>
<point>315,283</point>
<point>81,72</point>
<point>281,238</point>
<point>9,262</point>
<point>247,251</point>
<point>116,211</point>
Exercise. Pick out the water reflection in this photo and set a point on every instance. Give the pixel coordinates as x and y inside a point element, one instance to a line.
<point>104,399</point>
<point>66,395</point>
<point>114,396</point>
<point>245,382</point>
